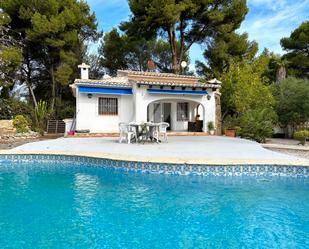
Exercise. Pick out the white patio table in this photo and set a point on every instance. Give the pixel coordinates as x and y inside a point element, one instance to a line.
<point>146,131</point>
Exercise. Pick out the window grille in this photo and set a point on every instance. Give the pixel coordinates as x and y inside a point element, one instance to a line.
<point>108,106</point>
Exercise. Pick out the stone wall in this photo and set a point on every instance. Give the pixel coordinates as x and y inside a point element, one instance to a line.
<point>6,127</point>
<point>8,133</point>
<point>218,121</point>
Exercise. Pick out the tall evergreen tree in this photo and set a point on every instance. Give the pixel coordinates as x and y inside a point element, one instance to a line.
<point>225,49</point>
<point>54,32</point>
<point>10,55</point>
<point>119,51</point>
<point>292,101</point>
<point>188,22</point>
<point>113,52</point>
<point>297,47</point>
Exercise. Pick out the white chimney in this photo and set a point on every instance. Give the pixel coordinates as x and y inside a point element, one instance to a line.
<point>84,71</point>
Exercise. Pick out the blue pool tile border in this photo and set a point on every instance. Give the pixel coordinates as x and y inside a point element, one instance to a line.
<point>165,168</point>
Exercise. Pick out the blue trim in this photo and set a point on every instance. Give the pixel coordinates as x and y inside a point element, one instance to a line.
<point>177,92</point>
<point>104,90</point>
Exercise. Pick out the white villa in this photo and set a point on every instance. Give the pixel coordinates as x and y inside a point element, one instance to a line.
<point>185,102</point>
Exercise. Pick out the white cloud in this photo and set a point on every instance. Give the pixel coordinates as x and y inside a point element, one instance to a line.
<point>270,4</point>
<point>268,21</point>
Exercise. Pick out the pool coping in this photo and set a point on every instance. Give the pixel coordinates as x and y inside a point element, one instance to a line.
<point>164,160</point>
<point>179,168</point>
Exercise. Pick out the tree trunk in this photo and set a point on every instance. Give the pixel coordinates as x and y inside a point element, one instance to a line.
<point>33,96</point>
<point>181,53</point>
<point>53,90</point>
<point>29,84</point>
<point>172,41</point>
<point>28,72</point>
<point>280,74</point>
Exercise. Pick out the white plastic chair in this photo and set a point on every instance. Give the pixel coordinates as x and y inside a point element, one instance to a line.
<point>126,133</point>
<point>163,130</point>
<point>154,131</point>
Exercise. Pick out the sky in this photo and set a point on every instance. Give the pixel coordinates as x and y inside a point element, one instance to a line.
<point>266,23</point>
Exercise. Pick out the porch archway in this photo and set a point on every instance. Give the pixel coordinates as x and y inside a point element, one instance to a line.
<point>180,113</point>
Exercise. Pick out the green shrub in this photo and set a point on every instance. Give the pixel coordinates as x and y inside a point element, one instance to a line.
<point>257,124</point>
<point>66,111</point>
<point>9,108</point>
<point>210,126</point>
<point>21,124</point>
<point>41,116</point>
<point>301,135</point>
<point>230,123</point>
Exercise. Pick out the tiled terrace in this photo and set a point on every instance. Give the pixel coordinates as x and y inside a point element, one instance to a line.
<point>179,149</point>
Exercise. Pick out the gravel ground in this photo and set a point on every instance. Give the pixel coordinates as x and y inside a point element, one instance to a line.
<point>284,141</point>
<point>6,145</point>
<point>11,145</point>
<point>298,153</point>
<point>280,141</point>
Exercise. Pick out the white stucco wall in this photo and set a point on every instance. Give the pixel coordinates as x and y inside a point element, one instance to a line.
<point>143,98</point>
<point>88,118</point>
<point>134,108</point>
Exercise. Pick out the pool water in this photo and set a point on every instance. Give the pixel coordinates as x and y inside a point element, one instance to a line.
<point>72,206</point>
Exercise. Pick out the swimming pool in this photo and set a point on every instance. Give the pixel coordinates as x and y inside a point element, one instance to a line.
<point>61,204</point>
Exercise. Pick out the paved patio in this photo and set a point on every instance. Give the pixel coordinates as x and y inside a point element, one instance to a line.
<point>210,149</point>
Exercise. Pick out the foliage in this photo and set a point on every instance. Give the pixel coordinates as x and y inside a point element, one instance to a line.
<point>64,110</point>
<point>247,101</point>
<point>10,55</point>
<point>138,52</point>
<point>257,124</point>
<point>243,88</point>
<point>41,116</point>
<point>122,52</point>
<point>112,50</point>
<point>276,69</point>
<point>225,49</point>
<point>21,124</point>
<point>53,33</point>
<point>96,71</point>
<point>230,123</point>
<point>292,97</point>
<point>12,107</point>
<point>210,126</point>
<point>187,22</point>
<point>161,56</point>
<point>301,135</point>
<point>297,47</point>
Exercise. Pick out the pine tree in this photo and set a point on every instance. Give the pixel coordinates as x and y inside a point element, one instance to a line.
<point>186,22</point>
<point>54,32</point>
<point>297,47</point>
<point>10,55</point>
<point>119,51</point>
<point>225,49</point>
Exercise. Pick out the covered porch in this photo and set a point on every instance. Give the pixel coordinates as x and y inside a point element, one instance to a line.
<point>183,115</point>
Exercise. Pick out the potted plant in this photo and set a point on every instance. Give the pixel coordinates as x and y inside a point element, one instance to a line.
<point>229,126</point>
<point>211,128</point>
<point>230,132</point>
